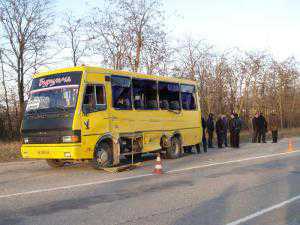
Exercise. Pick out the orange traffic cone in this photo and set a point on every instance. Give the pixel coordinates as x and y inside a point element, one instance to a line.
<point>158,165</point>
<point>290,146</point>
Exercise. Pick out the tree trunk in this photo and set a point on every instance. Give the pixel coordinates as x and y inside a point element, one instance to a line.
<point>9,132</point>
<point>138,52</point>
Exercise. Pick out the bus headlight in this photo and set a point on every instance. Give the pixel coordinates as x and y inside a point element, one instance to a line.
<point>67,154</point>
<point>26,140</point>
<point>70,139</point>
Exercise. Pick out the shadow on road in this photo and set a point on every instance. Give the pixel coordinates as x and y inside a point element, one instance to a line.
<point>213,211</point>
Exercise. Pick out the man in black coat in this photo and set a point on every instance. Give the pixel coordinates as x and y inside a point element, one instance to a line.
<point>255,127</point>
<point>262,128</point>
<point>237,126</point>
<point>225,121</point>
<point>204,143</point>
<point>220,130</point>
<point>210,126</point>
<point>231,130</point>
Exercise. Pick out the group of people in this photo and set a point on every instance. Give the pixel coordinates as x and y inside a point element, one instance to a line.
<point>233,125</point>
<point>260,127</point>
<point>221,127</point>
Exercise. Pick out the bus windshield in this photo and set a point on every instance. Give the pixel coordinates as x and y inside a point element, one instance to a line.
<point>55,99</point>
<point>54,93</point>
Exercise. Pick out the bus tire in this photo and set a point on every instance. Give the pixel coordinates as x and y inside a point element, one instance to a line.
<point>55,163</point>
<point>103,156</point>
<point>174,151</point>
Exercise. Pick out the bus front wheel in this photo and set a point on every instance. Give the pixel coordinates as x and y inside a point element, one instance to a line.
<point>103,156</point>
<point>55,163</point>
<point>174,151</point>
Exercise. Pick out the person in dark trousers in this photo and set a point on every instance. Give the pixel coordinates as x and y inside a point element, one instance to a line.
<point>225,122</point>
<point>204,143</point>
<point>210,126</point>
<point>273,126</point>
<point>262,128</point>
<point>255,127</point>
<point>231,129</point>
<point>220,130</point>
<point>237,126</point>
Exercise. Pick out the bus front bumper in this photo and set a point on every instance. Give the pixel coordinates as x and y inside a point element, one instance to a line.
<point>54,151</point>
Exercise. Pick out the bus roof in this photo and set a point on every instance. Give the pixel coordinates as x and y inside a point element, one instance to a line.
<point>100,70</point>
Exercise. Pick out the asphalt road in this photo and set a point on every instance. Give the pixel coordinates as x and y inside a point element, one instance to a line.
<point>256,184</point>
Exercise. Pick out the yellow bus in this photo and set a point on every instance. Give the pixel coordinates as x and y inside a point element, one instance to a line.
<point>102,115</point>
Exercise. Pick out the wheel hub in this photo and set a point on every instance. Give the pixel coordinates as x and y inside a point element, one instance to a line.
<point>102,157</point>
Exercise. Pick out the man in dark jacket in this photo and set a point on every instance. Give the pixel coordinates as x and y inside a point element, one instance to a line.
<point>273,126</point>
<point>237,126</point>
<point>262,128</point>
<point>204,143</point>
<point>231,129</point>
<point>210,126</point>
<point>255,127</point>
<point>225,122</point>
<point>220,130</point>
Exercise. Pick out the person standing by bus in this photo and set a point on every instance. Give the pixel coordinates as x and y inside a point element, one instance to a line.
<point>237,125</point>
<point>231,130</point>
<point>210,126</point>
<point>273,126</point>
<point>262,128</point>
<point>204,143</point>
<point>255,127</point>
<point>220,130</point>
<point>225,122</point>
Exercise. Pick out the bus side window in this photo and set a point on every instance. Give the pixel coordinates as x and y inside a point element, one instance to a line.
<point>121,92</point>
<point>100,97</point>
<point>94,98</point>
<point>145,94</point>
<point>188,97</point>
<point>89,96</point>
<point>169,96</point>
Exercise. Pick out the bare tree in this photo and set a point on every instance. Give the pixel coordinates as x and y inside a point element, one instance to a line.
<point>128,33</point>
<point>156,53</point>
<point>108,36</point>
<point>74,38</point>
<point>6,100</point>
<point>25,24</point>
<point>144,20</point>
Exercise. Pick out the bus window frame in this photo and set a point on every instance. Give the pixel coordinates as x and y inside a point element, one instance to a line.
<point>166,82</point>
<point>131,96</point>
<point>157,94</point>
<point>195,97</point>
<point>94,90</point>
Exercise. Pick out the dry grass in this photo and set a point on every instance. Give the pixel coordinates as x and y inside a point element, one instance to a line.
<point>246,136</point>
<point>10,151</point>
<point>293,132</point>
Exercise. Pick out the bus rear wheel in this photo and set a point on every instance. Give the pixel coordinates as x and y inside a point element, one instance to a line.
<point>174,151</point>
<point>55,163</point>
<point>103,156</point>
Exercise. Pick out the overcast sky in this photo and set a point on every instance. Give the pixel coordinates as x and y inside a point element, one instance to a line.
<point>272,25</point>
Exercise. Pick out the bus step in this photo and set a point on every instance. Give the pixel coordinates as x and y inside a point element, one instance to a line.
<point>123,167</point>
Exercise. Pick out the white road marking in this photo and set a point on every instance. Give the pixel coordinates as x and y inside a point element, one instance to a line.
<point>264,211</point>
<point>74,186</point>
<point>142,175</point>
<point>231,162</point>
